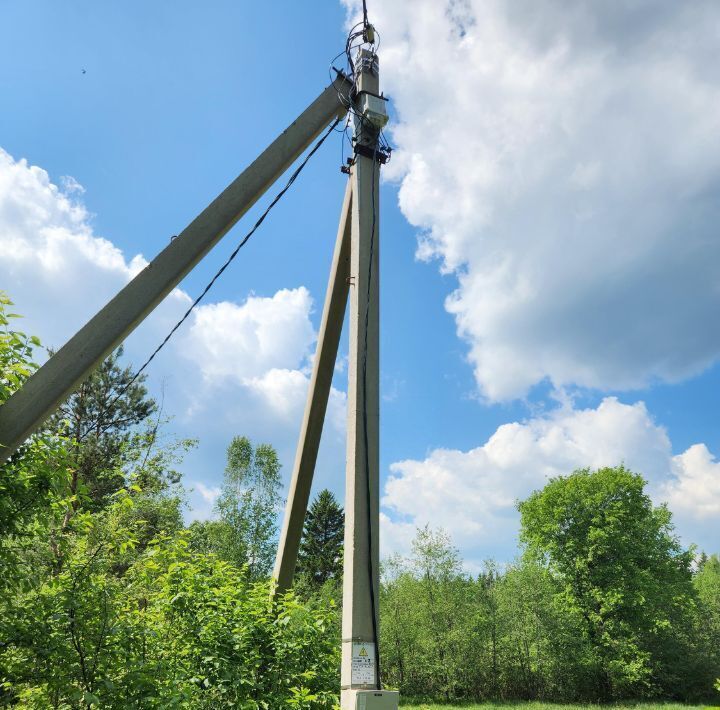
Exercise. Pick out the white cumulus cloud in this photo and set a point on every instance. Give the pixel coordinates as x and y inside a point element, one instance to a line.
<point>695,487</point>
<point>49,252</point>
<point>562,161</point>
<point>245,341</point>
<point>473,494</point>
<point>232,369</point>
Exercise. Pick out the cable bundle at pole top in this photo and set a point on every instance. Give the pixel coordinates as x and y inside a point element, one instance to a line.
<point>362,35</point>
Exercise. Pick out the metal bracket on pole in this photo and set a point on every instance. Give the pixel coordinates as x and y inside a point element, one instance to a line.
<point>31,405</point>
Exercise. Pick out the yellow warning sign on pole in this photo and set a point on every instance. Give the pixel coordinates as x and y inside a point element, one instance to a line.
<point>363,663</point>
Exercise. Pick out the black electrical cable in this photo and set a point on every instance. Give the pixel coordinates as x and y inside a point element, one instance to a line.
<point>228,261</point>
<point>373,602</point>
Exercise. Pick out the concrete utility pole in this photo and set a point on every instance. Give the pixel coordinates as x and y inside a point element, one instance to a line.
<point>40,396</point>
<point>355,262</point>
<point>360,612</point>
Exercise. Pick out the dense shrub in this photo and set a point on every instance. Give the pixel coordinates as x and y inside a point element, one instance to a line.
<point>178,629</point>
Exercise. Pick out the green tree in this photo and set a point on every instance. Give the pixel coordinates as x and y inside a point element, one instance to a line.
<point>36,474</point>
<point>399,627</point>
<point>115,443</point>
<point>543,654</point>
<point>101,420</point>
<point>487,630</point>
<point>443,606</point>
<point>622,570</point>
<point>103,602</point>
<point>321,547</point>
<point>707,583</point>
<point>707,627</point>
<point>245,533</point>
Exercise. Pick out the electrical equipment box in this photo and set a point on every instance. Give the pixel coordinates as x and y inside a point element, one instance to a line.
<point>374,700</point>
<point>372,109</point>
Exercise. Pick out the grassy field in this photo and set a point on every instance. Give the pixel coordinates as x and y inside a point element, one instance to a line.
<point>548,706</point>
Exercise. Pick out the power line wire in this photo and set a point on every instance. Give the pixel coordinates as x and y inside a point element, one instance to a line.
<point>229,260</point>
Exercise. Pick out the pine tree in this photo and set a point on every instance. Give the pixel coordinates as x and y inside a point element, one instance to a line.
<point>101,420</point>
<point>320,557</point>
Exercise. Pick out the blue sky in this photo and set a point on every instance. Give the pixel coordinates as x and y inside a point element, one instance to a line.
<point>549,235</point>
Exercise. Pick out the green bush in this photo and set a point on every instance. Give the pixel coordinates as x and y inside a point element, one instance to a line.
<point>178,629</point>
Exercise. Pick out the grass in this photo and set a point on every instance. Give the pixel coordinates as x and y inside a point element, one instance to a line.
<point>546,706</point>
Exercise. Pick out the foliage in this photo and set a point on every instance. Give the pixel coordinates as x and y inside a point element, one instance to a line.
<point>34,477</point>
<point>540,706</point>
<point>707,628</point>
<point>538,640</point>
<point>245,534</point>
<point>707,583</point>
<point>428,643</point>
<point>622,570</point>
<point>108,600</point>
<point>602,605</point>
<point>321,547</point>
<point>16,348</point>
<point>174,628</point>
<point>101,420</point>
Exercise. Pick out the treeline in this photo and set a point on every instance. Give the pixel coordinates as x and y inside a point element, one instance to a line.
<point>603,604</point>
<point>107,599</point>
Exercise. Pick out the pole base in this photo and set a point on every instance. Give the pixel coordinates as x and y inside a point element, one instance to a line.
<point>351,699</point>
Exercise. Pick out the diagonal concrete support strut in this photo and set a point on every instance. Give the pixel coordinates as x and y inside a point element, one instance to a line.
<point>28,408</point>
<point>317,399</point>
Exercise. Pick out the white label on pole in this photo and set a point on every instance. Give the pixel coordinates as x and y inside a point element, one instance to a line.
<point>363,663</point>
